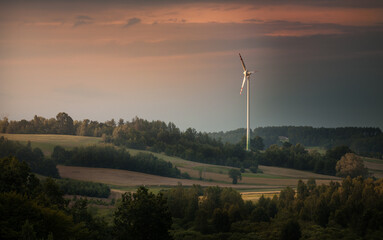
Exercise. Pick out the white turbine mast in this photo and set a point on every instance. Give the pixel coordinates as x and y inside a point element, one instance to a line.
<point>246,77</point>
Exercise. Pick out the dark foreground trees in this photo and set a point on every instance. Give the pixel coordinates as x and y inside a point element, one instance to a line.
<point>34,157</point>
<point>142,215</point>
<point>24,201</point>
<point>34,209</point>
<point>353,209</point>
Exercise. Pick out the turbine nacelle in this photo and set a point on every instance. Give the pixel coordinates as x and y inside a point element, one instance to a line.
<point>247,73</point>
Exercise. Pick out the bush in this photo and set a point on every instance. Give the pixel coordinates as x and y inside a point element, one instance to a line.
<point>90,189</point>
<point>253,169</point>
<point>185,175</point>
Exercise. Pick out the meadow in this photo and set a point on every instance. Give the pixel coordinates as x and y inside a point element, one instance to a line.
<point>46,142</point>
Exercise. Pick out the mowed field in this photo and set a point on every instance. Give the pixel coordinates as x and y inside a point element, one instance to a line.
<point>272,179</point>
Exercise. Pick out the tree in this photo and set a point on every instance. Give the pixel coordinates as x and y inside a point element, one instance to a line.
<point>291,231</point>
<point>338,152</point>
<point>221,220</point>
<point>351,165</point>
<point>14,175</point>
<point>64,124</point>
<point>142,215</point>
<point>257,144</point>
<point>235,174</point>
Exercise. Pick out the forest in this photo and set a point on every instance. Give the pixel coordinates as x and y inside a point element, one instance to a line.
<point>159,136</point>
<point>297,157</point>
<point>111,157</point>
<point>35,209</point>
<point>366,141</point>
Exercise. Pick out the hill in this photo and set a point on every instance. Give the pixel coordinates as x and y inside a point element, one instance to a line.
<point>46,142</point>
<point>270,177</point>
<point>366,141</point>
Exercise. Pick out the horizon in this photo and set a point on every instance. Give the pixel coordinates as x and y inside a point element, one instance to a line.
<point>319,63</point>
<point>184,129</point>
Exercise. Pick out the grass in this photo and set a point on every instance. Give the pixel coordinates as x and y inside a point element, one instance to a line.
<point>46,142</point>
<point>174,160</point>
<point>372,160</point>
<point>213,169</point>
<point>262,175</point>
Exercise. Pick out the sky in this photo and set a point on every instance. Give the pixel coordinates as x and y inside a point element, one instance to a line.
<point>319,62</point>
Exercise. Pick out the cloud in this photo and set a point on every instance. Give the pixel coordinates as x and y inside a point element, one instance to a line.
<point>132,22</point>
<point>82,20</point>
<point>253,20</point>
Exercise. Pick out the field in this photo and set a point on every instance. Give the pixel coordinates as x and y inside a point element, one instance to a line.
<point>375,166</point>
<point>46,142</point>
<point>269,181</point>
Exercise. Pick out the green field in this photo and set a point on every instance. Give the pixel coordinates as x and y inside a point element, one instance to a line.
<point>46,142</point>
<point>372,160</point>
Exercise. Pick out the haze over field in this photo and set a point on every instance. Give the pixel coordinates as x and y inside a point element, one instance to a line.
<point>320,63</point>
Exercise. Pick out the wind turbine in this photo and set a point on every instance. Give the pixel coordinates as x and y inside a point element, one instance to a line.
<point>246,76</point>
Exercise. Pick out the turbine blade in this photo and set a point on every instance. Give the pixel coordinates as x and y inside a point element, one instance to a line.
<point>243,83</point>
<point>243,64</point>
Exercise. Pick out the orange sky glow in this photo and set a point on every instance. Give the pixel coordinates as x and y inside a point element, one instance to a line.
<point>128,59</point>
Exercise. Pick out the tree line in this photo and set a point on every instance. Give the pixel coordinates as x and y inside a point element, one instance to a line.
<point>366,141</point>
<point>156,136</point>
<point>111,157</point>
<point>191,145</point>
<point>139,133</point>
<point>62,124</point>
<point>297,157</point>
<point>83,188</point>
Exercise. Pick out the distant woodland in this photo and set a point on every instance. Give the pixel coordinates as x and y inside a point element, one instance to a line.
<point>367,141</point>
<point>161,136</point>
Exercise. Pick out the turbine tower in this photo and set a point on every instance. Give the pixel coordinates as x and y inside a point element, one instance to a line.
<point>246,76</point>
